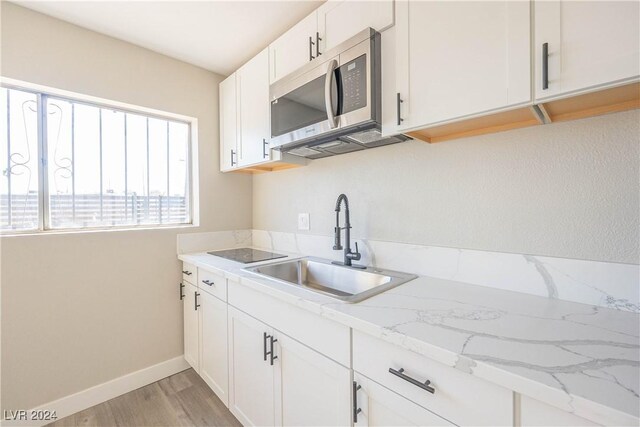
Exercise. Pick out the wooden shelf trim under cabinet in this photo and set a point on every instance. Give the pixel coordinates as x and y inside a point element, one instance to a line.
<point>604,101</point>
<point>612,100</point>
<point>266,168</point>
<point>497,122</point>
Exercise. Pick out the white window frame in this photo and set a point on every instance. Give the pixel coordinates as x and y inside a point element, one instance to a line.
<point>42,92</point>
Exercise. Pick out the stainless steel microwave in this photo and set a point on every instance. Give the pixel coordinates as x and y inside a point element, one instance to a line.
<point>332,105</point>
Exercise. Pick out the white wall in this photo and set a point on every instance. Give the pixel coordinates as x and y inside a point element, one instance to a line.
<point>81,309</point>
<point>566,190</point>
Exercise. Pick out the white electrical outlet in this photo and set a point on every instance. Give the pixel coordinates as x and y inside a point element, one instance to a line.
<point>303,221</point>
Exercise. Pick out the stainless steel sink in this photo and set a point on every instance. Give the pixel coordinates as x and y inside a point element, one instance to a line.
<point>348,284</point>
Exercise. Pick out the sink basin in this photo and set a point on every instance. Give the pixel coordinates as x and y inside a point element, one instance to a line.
<point>348,284</point>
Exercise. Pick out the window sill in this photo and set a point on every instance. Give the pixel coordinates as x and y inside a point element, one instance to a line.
<point>11,233</point>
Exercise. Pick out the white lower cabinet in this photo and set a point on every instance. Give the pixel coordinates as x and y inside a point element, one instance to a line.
<point>323,335</point>
<point>191,336</point>
<point>275,380</point>
<point>251,377</point>
<point>535,413</point>
<point>312,389</point>
<point>269,378</point>
<point>378,406</point>
<point>205,328</point>
<point>189,273</point>
<point>446,391</point>
<point>213,344</point>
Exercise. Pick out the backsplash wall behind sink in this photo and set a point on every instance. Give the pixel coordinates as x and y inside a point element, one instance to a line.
<point>564,194</point>
<point>564,190</point>
<point>612,285</point>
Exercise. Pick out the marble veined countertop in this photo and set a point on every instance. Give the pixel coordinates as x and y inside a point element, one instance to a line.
<point>580,358</point>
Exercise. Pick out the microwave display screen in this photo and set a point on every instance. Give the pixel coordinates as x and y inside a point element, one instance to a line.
<point>352,85</point>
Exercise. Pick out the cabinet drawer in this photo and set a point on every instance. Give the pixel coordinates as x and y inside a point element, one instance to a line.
<point>212,283</point>
<point>379,406</point>
<point>189,273</point>
<point>458,397</point>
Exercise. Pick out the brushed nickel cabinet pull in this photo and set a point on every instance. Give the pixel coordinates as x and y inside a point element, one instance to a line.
<point>545,66</point>
<point>356,410</point>
<point>398,102</point>
<point>425,386</point>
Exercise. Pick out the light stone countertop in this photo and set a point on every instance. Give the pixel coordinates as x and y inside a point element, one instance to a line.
<point>580,358</point>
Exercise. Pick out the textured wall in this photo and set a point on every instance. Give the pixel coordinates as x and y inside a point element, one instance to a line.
<point>566,189</point>
<point>81,309</point>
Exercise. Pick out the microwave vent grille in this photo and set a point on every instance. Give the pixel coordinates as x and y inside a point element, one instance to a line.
<point>366,137</point>
<point>373,138</point>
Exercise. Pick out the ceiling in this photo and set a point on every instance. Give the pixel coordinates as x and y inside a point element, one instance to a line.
<point>217,35</point>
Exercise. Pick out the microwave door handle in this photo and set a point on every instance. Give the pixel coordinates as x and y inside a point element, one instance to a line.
<point>328,93</point>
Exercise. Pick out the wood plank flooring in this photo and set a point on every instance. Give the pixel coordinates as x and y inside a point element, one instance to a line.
<point>183,399</point>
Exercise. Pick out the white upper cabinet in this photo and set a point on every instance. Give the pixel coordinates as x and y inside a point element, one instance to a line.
<point>245,125</point>
<point>590,44</point>
<point>338,20</point>
<point>454,59</point>
<point>392,85</point>
<point>332,23</point>
<point>294,48</point>
<point>253,99</point>
<point>228,124</point>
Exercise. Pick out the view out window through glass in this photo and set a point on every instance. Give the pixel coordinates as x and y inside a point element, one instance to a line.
<point>101,167</point>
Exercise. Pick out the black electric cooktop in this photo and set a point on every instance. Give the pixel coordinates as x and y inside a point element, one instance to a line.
<point>246,255</point>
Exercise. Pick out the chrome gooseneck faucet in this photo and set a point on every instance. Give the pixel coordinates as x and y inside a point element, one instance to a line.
<point>348,254</point>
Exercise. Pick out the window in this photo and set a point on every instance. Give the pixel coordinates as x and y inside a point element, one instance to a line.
<point>100,166</point>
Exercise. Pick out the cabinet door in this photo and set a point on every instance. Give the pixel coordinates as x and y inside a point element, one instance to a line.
<point>379,406</point>
<point>464,58</point>
<point>535,413</point>
<point>228,124</point>
<point>395,73</point>
<point>213,345</point>
<point>253,122</point>
<point>590,44</point>
<point>311,388</point>
<point>340,19</point>
<point>191,345</point>
<point>251,395</point>
<point>293,49</point>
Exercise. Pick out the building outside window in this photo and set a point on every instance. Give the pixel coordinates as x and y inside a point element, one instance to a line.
<point>70,164</point>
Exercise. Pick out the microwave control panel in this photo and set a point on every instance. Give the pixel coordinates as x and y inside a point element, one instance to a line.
<point>352,78</point>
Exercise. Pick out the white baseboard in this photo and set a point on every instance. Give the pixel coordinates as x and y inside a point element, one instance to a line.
<point>92,396</point>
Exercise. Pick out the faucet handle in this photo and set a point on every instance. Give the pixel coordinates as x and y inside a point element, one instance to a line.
<point>356,255</point>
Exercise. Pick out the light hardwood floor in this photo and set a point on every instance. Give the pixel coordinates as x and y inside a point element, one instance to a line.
<point>183,399</point>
